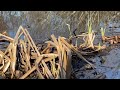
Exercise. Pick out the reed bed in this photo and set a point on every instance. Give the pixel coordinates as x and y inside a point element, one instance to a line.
<point>22,58</point>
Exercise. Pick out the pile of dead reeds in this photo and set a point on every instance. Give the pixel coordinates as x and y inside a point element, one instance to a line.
<point>22,57</point>
<point>111,39</point>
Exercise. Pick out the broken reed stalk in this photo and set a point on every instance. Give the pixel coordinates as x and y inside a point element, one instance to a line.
<point>6,66</point>
<point>48,59</point>
<point>29,41</point>
<point>28,72</point>
<point>68,62</point>
<point>63,53</point>
<point>103,33</point>
<point>27,57</point>
<point>59,53</point>
<point>77,36</point>
<point>63,61</point>
<point>39,73</point>
<point>48,45</point>
<point>35,67</point>
<point>52,43</point>
<point>1,60</point>
<point>14,58</point>
<point>88,40</point>
<point>18,34</point>
<point>9,38</point>
<point>44,64</point>
<point>32,44</point>
<point>73,49</point>
<point>49,55</point>
<point>66,57</point>
<point>11,50</point>
<point>32,69</point>
<point>47,69</point>
<point>5,40</point>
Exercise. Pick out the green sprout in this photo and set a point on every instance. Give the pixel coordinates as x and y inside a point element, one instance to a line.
<point>69,29</point>
<point>102,31</point>
<point>89,27</point>
<point>99,46</point>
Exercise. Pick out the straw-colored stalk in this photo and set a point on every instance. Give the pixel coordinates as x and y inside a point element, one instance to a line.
<point>89,37</point>
<point>103,33</point>
<point>74,50</point>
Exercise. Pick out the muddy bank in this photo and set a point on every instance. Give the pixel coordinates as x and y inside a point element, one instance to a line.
<point>107,65</point>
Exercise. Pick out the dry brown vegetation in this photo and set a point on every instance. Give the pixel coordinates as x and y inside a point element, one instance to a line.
<point>52,62</point>
<point>24,59</point>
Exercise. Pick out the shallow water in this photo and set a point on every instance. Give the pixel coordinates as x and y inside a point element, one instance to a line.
<point>41,32</point>
<point>107,62</point>
<point>111,66</point>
